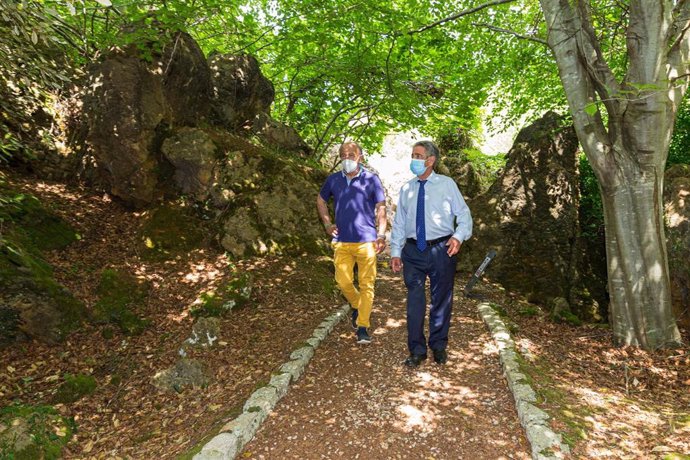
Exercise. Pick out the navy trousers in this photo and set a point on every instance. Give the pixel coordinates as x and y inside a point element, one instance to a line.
<point>434,263</point>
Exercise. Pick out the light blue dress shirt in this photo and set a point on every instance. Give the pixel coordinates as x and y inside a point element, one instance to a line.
<point>443,205</point>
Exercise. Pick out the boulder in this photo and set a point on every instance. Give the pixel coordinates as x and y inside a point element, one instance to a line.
<point>677,213</point>
<point>186,372</point>
<point>33,432</point>
<point>204,332</point>
<point>280,135</point>
<point>240,90</point>
<point>530,215</point>
<point>465,175</point>
<point>124,107</point>
<point>32,303</point>
<point>193,154</point>
<point>186,79</point>
<point>268,215</point>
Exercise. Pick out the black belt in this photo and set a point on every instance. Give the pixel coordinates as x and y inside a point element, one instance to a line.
<point>430,242</point>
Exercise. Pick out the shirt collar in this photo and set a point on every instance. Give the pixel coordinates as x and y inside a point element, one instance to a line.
<point>432,177</point>
<point>359,172</point>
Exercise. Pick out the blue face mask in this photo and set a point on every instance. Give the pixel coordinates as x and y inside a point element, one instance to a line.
<point>417,167</point>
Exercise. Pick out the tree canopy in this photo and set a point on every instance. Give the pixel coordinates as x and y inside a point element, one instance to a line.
<point>341,69</point>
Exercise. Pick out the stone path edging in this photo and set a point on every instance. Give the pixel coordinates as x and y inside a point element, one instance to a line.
<point>238,432</point>
<point>546,444</point>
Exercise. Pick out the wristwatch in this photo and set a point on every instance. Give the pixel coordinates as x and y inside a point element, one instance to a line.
<point>381,237</point>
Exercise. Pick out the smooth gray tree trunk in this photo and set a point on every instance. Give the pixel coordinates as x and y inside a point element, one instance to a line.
<point>640,301</point>
<point>625,130</point>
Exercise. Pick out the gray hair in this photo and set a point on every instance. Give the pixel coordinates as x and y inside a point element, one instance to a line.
<point>347,144</point>
<point>429,147</point>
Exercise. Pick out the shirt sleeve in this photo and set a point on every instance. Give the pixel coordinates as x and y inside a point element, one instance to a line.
<point>379,194</point>
<point>463,231</point>
<point>398,230</point>
<point>326,191</point>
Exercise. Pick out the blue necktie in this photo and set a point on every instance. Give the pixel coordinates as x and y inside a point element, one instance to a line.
<point>421,230</point>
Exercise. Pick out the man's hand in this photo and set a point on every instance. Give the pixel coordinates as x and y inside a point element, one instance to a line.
<point>396,264</point>
<point>453,246</point>
<point>380,245</point>
<point>332,230</point>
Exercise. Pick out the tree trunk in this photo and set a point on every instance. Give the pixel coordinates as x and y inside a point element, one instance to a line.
<point>640,300</point>
<point>625,129</point>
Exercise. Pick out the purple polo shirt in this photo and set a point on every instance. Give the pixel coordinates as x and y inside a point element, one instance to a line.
<point>355,204</point>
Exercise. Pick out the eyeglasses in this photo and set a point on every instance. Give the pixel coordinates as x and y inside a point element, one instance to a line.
<point>419,156</point>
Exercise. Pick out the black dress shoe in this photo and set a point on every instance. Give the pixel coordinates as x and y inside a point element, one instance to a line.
<point>440,356</point>
<point>414,360</point>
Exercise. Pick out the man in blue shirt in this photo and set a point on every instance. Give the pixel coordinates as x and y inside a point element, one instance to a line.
<point>358,233</point>
<point>431,222</point>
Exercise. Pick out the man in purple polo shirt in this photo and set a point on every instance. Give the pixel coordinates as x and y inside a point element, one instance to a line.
<point>358,233</point>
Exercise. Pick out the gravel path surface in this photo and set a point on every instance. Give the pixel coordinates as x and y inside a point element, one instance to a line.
<point>359,401</point>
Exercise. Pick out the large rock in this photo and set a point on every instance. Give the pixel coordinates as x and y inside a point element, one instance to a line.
<point>125,105</point>
<point>677,211</point>
<point>185,373</point>
<point>132,103</point>
<point>193,154</point>
<point>32,303</point>
<point>465,175</point>
<point>240,90</point>
<point>280,135</point>
<point>186,80</point>
<point>530,215</point>
<point>270,205</point>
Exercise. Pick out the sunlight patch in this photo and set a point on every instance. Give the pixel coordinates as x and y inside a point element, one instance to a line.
<point>415,418</point>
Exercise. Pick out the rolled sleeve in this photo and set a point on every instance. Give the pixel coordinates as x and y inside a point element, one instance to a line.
<point>398,229</point>
<point>463,217</point>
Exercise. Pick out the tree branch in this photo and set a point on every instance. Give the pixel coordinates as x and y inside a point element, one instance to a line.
<point>565,27</point>
<point>459,15</point>
<point>605,84</point>
<point>510,32</point>
<point>679,49</point>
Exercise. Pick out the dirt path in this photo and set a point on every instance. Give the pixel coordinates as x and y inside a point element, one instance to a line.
<point>358,401</point>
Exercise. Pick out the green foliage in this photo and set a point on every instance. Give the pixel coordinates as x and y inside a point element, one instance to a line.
<point>340,68</point>
<point>591,211</point>
<point>529,310</point>
<point>74,388</point>
<point>33,432</point>
<point>567,318</point>
<point>118,292</point>
<point>679,150</point>
<point>485,165</point>
<point>236,293</point>
<point>33,66</point>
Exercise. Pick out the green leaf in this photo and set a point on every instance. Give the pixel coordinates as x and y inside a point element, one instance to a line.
<point>591,108</point>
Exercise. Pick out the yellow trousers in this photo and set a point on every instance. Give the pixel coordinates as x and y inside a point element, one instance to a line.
<point>344,258</point>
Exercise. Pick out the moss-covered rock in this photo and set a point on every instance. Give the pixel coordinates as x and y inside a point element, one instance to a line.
<point>44,229</point>
<point>277,212</point>
<point>74,388</point>
<point>170,231</point>
<point>220,302</point>
<point>32,432</point>
<point>34,305</point>
<point>186,372</point>
<point>119,293</point>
